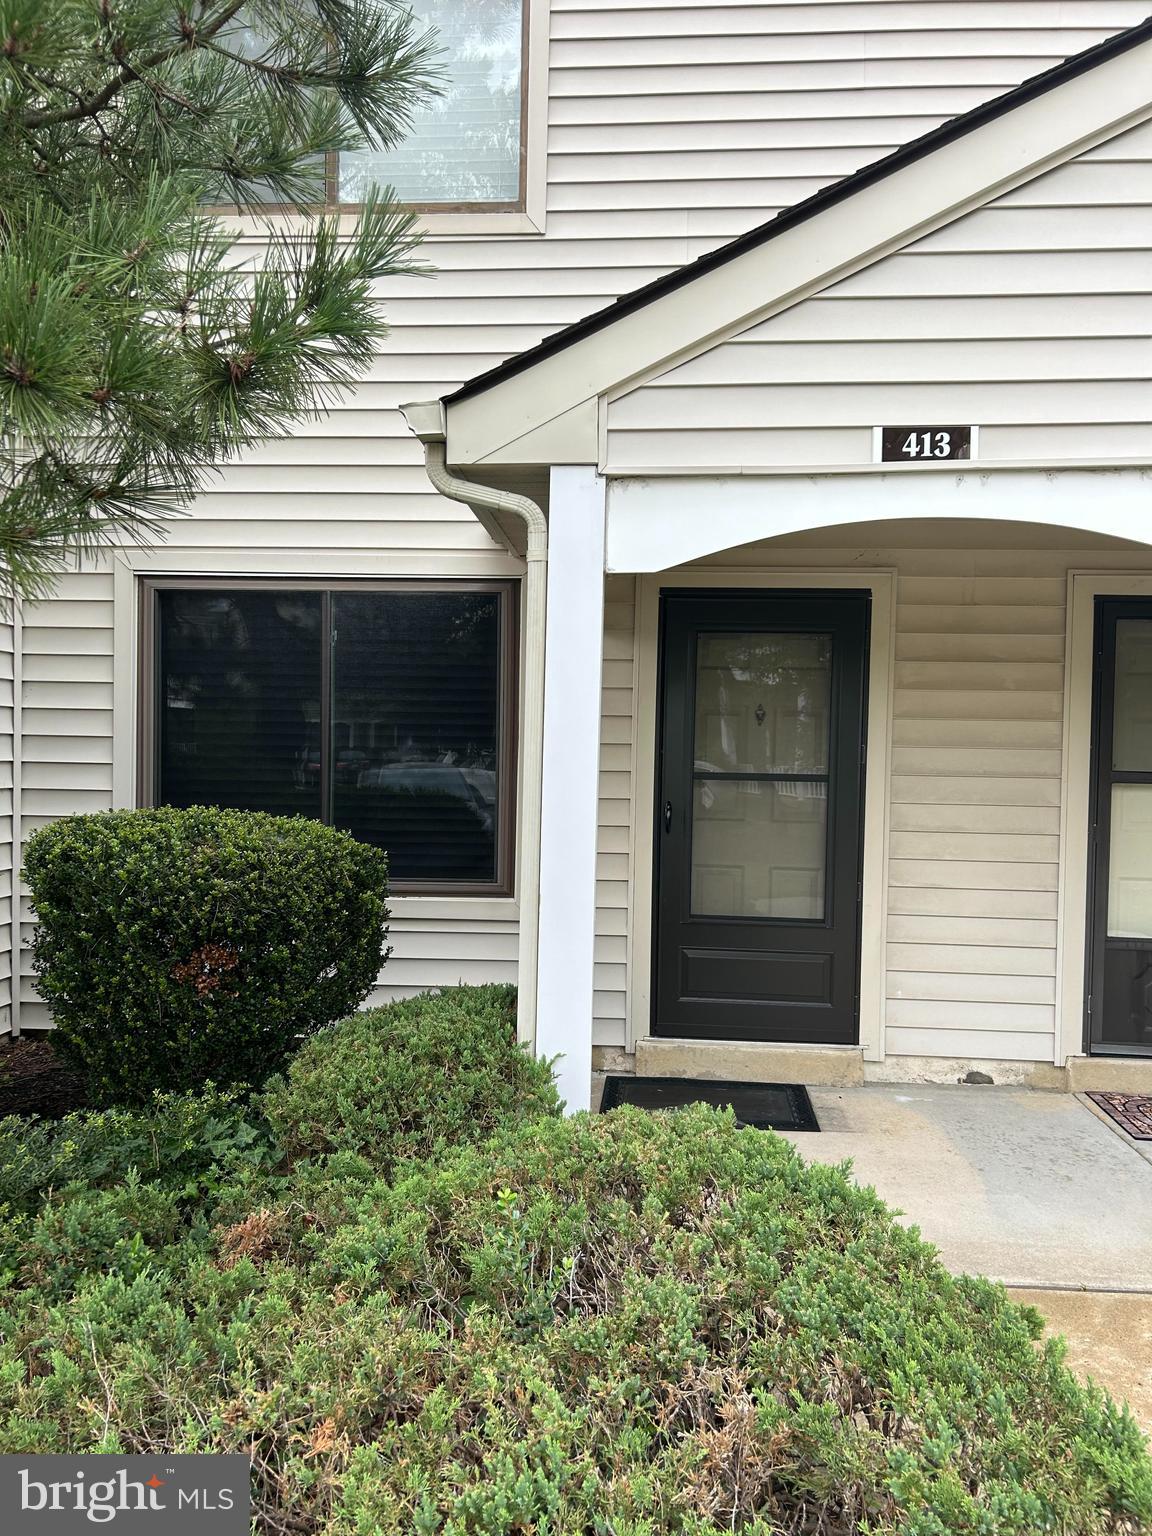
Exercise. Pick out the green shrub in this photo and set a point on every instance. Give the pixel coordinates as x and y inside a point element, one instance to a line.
<point>176,947</point>
<point>412,1079</point>
<point>622,1325</point>
<point>188,1143</point>
<point>82,1231</point>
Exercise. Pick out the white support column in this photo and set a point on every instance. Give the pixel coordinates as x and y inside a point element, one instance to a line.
<point>575,638</point>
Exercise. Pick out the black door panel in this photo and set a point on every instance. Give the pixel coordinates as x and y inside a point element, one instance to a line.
<point>1120,854</point>
<point>759,824</point>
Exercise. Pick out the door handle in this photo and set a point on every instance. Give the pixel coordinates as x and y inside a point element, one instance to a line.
<point>667,815</point>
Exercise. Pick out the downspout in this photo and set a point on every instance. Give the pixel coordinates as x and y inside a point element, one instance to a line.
<point>426,421</point>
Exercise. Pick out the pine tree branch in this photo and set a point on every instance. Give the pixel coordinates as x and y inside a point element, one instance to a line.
<point>129,74</point>
<point>141,346</point>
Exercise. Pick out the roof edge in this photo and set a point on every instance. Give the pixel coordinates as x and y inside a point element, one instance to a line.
<point>798,213</point>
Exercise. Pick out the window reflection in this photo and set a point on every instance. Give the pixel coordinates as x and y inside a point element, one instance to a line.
<point>410,757</point>
<point>415,729</point>
<point>239,700</point>
<point>762,703</point>
<point>1132,710</point>
<point>465,146</point>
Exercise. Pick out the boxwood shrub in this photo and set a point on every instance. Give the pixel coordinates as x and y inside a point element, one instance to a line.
<point>180,946</point>
<point>622,1325</point>
<point>412,1079</point>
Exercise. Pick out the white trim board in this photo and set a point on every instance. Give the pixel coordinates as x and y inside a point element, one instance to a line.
<point>882,467</point>
<point>874,868</point>
<point>656,524</point>
<point>1084,587</point>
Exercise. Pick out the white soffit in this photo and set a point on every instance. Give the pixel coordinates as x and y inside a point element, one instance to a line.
<point>946,183</point>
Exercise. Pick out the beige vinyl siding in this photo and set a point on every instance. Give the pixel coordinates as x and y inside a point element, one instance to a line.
<point>1031,318</point>
<point>66,723</point>
<point>444,953</point>
<point>6,822</point>
<point>672,127</point>
<point>613,842</point>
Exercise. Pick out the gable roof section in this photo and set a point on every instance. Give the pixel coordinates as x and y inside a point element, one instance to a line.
<point>540,404</point>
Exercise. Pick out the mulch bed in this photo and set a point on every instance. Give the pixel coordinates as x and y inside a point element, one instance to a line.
<point>1133,1111</point>
<point>34,1081</point>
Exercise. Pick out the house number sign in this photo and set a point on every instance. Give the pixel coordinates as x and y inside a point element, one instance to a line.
<point>922,445</point>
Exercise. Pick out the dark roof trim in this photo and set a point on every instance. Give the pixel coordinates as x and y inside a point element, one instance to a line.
<point>947,133</point>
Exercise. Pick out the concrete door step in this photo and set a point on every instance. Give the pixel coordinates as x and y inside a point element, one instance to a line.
<point>831,1066</point>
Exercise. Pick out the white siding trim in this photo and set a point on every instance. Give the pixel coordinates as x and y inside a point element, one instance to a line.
<point>125,686</point>
<point>887,467</point>
<point>1072,940</point>
<point>654,524</point>
<point>535,110</point>
<point>874,868</point>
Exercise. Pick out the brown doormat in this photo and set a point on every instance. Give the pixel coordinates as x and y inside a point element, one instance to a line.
<point>1133,1111</point>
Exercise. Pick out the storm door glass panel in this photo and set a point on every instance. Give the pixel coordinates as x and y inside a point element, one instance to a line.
<point>415,729</point>
<point>1132,717</point>
<point>760,775</point>
<point>238,700</point>
<point>1119,1001</point>
<point>1130,863</point>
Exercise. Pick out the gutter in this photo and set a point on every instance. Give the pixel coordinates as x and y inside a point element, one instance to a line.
<point>426,420</point>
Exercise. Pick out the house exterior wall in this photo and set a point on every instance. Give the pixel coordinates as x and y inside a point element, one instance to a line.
<point>614,891</point>
<point>977,780</point>
<point>671,128</point>
<point>7,809</point>
<point>1030,318</point>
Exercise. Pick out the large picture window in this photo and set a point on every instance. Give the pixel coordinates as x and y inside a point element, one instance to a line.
<point>385,711</point>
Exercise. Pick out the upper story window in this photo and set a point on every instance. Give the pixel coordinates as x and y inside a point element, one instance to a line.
<point>466,149</point>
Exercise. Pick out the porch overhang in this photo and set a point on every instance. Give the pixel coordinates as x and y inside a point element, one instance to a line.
<point>657,523</point>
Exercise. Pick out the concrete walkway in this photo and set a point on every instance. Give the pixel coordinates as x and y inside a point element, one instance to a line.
<point>1109,1337</point>
<point>1033,1189</point>
<point>1038,1190</point>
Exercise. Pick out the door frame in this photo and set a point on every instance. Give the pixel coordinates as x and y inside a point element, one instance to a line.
<point>881,584</point>
<point>1074,952</point>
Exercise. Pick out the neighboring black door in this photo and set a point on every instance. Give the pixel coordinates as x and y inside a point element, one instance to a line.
<point>1119,1000</point>
<point>758,815</point>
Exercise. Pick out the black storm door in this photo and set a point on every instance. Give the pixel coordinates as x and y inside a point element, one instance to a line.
<point>1120,855</point>
<point>758,815</point>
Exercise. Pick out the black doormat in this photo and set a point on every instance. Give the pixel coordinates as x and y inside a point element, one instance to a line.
<point>765,1106</point>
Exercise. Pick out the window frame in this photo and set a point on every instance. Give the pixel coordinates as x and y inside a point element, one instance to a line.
<point>148,683</point>
<point>519,205</point>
